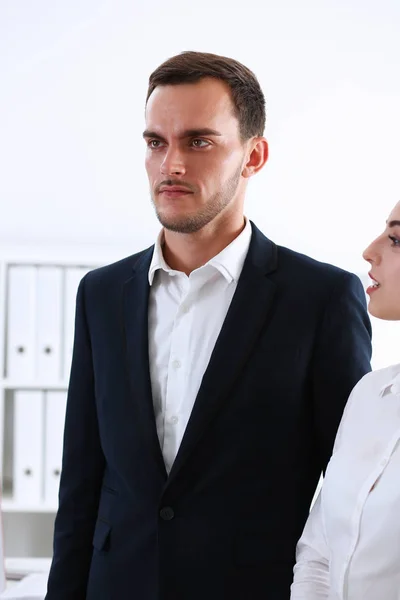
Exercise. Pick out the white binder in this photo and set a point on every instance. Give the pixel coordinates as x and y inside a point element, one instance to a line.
<point>28,447</point>
<point>55,404</point>
<point>21,320</point>
<point>48,323</point>
<point>73,275</point>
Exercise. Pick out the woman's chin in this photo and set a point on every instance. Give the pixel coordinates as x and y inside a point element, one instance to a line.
<point>384,313</point>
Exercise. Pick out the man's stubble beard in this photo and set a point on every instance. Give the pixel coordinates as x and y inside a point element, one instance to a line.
<point>215,205</point>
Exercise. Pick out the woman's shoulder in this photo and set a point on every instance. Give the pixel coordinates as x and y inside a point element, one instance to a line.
<point>380,376</point>
<point>376,382</point>
<point>364,405</point>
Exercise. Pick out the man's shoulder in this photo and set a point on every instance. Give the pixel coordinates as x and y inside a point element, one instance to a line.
<point>296,265</point>
<point>316,281</point>
<point>122,269</point>
<point>302,263</point>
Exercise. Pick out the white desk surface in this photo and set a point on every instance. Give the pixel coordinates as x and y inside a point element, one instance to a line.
<point>21,567</point>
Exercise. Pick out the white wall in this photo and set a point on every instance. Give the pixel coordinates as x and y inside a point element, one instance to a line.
<point>73,83</point>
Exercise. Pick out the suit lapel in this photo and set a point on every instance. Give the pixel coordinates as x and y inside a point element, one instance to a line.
<point>136,299</point>
<point>242,326</point>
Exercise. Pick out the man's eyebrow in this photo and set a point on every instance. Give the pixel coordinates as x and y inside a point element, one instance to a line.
<point>200,132</point>
<point>393,223</point>
<point>152,134</point>
<point>204,131</point>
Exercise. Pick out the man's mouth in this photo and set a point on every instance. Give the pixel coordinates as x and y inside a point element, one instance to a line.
<point>174,189</point>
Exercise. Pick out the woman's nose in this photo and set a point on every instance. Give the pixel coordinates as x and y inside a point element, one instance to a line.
<point>371,253</point>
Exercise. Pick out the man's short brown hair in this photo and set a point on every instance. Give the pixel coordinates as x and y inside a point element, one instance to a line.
<point>247,96</point>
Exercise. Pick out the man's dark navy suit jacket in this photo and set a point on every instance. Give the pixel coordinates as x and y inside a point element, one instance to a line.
<point>225,522</point>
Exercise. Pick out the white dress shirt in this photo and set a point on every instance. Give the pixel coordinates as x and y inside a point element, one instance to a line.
<point>350,547</point>
<point>186,314</point>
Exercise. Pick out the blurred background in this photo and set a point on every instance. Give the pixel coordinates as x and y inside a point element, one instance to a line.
<point>74,78</point>
<point>73,189</point>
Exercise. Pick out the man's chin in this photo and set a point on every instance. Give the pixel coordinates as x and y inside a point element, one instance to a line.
<point>176,224</point>
<point>180,226</point>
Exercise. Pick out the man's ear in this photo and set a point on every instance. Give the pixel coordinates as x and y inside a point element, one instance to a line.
<point>257,158</point>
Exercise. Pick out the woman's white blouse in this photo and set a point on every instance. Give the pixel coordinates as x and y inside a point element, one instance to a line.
<point>350,547</point>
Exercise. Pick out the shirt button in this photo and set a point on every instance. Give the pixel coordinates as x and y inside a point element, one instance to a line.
<point>174,420</point>
<point>176,364</point>
<point>185,309</point>
<point>167,513</point>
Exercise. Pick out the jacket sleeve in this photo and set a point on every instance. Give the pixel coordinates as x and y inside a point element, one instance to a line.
<point>342,357</point>
<point>82,472</point>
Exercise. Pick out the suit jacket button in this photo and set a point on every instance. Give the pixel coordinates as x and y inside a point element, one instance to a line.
<point>167,513</point>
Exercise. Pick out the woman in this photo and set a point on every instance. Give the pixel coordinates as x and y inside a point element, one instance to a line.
<point>350,547</point>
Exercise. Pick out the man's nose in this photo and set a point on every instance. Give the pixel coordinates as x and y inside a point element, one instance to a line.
<point>173,163</point>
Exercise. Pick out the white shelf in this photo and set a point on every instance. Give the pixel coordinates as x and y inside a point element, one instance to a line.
<point>9,384</point>
<point>21,567</point>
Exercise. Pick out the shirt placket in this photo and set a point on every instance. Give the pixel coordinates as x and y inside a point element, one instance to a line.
<point>178,366</point>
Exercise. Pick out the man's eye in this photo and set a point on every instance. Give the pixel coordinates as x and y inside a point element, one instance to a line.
<point>199,143</point>
<point>154,143</point>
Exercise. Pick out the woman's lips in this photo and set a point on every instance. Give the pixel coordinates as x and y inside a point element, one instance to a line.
<point>372,288</point>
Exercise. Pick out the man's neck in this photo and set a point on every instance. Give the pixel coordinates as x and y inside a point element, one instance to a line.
<point>186,252</point>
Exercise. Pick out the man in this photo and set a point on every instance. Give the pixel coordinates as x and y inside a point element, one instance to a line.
<point>209,372</point>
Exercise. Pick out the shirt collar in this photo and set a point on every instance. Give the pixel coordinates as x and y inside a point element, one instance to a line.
<point>157,261</point>
<point>229,261</point>
<point>393,385</point>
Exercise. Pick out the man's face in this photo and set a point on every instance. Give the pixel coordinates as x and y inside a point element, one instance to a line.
<point>195,155</point>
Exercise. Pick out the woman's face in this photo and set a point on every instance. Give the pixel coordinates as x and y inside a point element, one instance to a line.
<point>384,256</point>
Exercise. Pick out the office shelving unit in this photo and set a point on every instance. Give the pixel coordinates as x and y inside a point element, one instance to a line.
<point>37,307</point>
